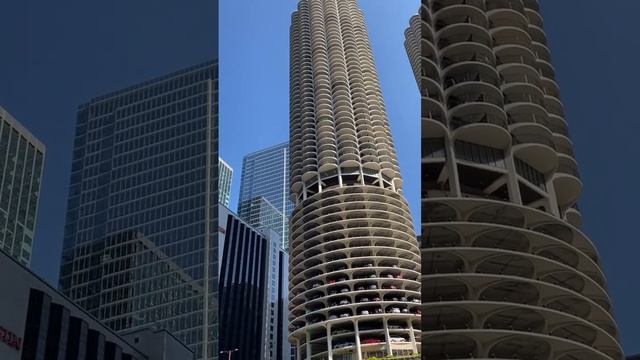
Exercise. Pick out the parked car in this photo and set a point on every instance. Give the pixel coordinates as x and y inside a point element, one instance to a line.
<point>405,310</point>
<point>344,302</point>
<point>373,276</point>
<point>364,299</point>
<point>344,315</point>
<point>369,341</point>
<point>344,290</point>
<point>315,285</point>
<point>333,317</point>
<point>373,287</point>
<point>333,292</point>
<point>377,298</point>
<point>378,311</point>
<point>394,310</point>
<point>343,345</point>
<point>404,298</point>
<point>395,327</point>
<point>364,312</point>
<point>397,339</point>
<point>417,312</point>
<point>340,331</point>
<point>360,288</point>
<point>331,282</point>
<point>417,301</point>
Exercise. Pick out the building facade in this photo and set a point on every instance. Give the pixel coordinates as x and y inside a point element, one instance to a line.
<point>507,272</point>
<point>142,205</point>
<point>253,290</point>
<point>21,167</point>
<point>265,174</point>
<point>224,182</point>
<point>354,258</point>
<point>38,322</point>
<point>265,217</point>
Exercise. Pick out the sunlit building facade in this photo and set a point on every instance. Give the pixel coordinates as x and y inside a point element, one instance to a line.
<point>265,174</point>
<point>225,178</point>
<point>354,258</point>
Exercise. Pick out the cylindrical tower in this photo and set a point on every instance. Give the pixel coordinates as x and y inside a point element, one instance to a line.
<point>354,259</point>
<point>507,272</point>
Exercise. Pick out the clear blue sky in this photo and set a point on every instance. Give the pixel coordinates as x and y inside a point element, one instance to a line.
<point>254,81</point>
<point>56,55</point>
<point>595,49</point>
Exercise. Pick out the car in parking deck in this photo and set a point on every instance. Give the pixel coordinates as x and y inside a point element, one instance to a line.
<point>369,341</point>
<point>343,345</point>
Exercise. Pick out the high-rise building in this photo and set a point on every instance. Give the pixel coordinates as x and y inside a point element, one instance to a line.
<point>355,262</point>
<point>507,272</point>
<point>21,165</point>
<point>265,174</point>
<point>225,177</point>
<point>265,217</point>
<point>142,206</point>
<point>253,290</point>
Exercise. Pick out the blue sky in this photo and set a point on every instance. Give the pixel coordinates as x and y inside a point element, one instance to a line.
<point>254,81</point>
<point>595,50</point>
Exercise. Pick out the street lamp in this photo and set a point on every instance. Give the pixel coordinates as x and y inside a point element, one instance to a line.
<point>228,352</point>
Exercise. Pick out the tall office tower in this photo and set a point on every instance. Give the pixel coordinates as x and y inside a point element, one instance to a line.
<point>507,272</point>
<point>265,173</point>
<point>355,262</point>
<point>225,177</point>
<point>265,217</point>
<point>21,165</point>
<point>253,291</point>
<point>138,249</point>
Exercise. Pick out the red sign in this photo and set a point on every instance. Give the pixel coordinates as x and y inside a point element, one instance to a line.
<point>10,338</point>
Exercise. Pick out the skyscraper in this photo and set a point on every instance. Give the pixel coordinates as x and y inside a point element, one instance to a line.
<point>507,272</point>
<point>138,249</point>
<point>355,263</point>
<point>265,174</point>
<point>253,290</point>
<point>21,165</point>
<point>224,182</point>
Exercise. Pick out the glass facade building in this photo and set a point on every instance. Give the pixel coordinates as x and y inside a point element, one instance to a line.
<point>253,290</point>
<point>265,173</point>
<point>224,182</point>
<point>142,206</point>
<point>21,165</point>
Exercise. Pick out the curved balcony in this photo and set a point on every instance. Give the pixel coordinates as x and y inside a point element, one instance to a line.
<point>438,5</point>
<point>534,144</point>
<point>567,182</point>
<point>463,33</point>
<point>459,14</point>
<point>470,73</point>
<point>503,18</point>
<point>466,52</point>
